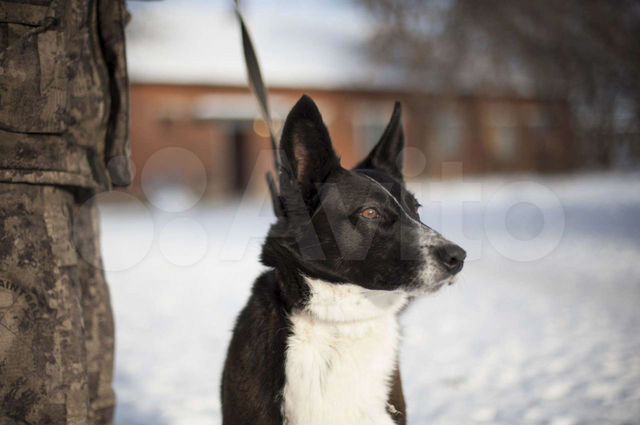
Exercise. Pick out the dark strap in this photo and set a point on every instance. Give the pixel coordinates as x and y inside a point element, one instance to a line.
<point>259,90</point>
<point>255,76</point>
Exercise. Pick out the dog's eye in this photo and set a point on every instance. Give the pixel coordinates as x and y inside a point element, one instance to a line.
<point>370,214</point>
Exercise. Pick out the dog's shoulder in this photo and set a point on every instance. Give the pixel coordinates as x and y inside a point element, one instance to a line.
<point>252,380</point>
<point>263,320</point>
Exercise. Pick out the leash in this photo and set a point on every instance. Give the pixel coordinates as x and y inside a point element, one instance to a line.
<point>256,84</point>
<point>294,208</point>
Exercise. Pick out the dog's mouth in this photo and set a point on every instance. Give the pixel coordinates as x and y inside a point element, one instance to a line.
<point>447,281</point>
<point>432,287</point>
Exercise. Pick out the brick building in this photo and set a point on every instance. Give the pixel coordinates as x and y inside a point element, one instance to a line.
<point>220,125</point>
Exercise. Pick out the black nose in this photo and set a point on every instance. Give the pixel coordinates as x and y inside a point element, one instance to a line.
<point>452,257</point>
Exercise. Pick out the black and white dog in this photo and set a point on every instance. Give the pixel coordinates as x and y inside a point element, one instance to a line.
<point>317,342</point>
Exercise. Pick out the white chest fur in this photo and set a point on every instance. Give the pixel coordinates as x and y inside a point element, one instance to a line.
<point>341,356</point>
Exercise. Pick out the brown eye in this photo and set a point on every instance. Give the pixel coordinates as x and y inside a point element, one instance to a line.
<point>370,214</point>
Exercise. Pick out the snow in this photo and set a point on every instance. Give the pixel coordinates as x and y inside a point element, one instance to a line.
<point>549,339</point>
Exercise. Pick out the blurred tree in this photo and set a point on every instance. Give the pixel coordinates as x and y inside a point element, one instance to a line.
<point>585,50</point>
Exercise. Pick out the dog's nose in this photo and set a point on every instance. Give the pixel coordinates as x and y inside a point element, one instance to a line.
<point>452,257</point>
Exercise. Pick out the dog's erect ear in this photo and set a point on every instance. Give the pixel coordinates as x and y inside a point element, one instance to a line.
<point>387,154</point>
<point>308,154</point>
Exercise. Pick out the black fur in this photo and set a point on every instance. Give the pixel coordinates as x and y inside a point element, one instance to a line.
<point>253,375</point>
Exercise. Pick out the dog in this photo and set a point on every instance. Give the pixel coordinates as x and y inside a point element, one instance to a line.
<point>317,342</point>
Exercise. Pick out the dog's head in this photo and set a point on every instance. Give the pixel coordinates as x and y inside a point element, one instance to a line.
<point>358,226</point>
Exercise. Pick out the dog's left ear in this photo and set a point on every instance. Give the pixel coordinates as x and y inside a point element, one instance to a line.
<point>387,154</point>
<point>307,147</point>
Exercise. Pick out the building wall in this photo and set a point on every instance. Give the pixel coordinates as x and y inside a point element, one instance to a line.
<point>184,134</point>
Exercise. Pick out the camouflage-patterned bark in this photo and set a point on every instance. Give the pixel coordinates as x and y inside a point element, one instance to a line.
<point>63,93</point>
<point>56,328</point>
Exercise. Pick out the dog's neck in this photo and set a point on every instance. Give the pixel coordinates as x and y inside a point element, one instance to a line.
<point>346,303</point>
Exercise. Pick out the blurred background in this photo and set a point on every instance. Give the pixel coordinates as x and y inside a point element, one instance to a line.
<point>522,121</point>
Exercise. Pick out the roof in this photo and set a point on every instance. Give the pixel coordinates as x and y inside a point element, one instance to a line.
<point>299,44</point>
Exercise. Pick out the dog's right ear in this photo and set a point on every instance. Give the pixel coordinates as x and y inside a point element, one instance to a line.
<point>387,154</point>
<point>308,155</point>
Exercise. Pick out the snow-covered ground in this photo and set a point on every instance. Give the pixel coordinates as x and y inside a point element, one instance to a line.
<point>542,328</point>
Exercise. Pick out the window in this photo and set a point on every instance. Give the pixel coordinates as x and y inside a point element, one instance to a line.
<point>371,121</point>
<point>450,132</point>
<point>503,133</point>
